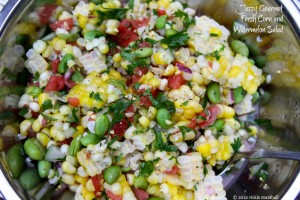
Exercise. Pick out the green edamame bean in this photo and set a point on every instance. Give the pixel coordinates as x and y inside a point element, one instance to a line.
<point>34,149</point>
<point>252,45</point>
<point>238,94</point>
<point>163,116</point>
<point>89,139</point>
<point>44,167</point>
<point>218,124</point>
<point>213,92</point>
<point>112,174</point>
<point>77,77</point>
<point>161,22</point>
<point>63,65</point>
<point>143,52</point>
<point>29,179</point>
<point>75,146</point>
<point>170,32</point>
<point>33,91</point>
<point>16,160</point>
<point>101,125</point>
<point>260,61</point>
<point>239,47</point>
<point>140,182</point>
<point>70,37</point>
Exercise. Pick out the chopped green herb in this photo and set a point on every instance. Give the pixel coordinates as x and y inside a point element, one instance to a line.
<point>136,85</point>
<point>154,12</point>
<point>205,171</point>
<point>146,168</point>
<point>47,104</point>
<point>187,21</point>
<point>23,112</point>
<point>172,157</point>
<point>131,4</point>
<point>48,117</point>
<point>128,55</point>
<point>118,109</point>
<point>121,84</point>
<point>151,41</point>
<point>116,13</point>
<point>200,118</point>
<point>72,117</point>
<point>161,101</point>
<point>95,96</point>
<point>112,141</point>
<point>184,130</point>
<point>195,187</point>
<point>164,146</point>
<point>156,160</point>
<point>264,123</point>
<point>185,103</point>
<point>177,40</point>
<point>236,145</point>
<point>217,53</point>
<point>119,157</point>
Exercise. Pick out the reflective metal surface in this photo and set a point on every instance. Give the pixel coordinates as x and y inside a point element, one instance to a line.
<point>283,109</point>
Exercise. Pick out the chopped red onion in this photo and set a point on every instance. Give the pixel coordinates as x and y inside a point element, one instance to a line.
<point>183,68</point>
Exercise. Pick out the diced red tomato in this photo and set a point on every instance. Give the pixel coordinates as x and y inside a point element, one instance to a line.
<point>192,124</point>
<point>69,83</point>
<point>67,141</point>
<point>54,65</point>
<point>126,38</point>
<point>213,112</point>
<point>145,101</point>
<point>161,12</point>
<point>46,12</point>
<point>174,170</point>
<point>55,83</point>
<point>113,196</point>
<point>65,24</point>
<point>176,81</point>
<point>140,71</point>
<point>130,111</point>
<point>120,128</point>
<point>73,101</point>
<point>139,23</point>
<point>140,194</point>
<point>124,25</point>
<point>97,182</point>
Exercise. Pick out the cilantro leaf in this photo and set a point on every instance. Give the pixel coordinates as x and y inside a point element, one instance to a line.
<point>131,4</point>
<point>187,21</point>
<point>164,146</point>
<point>23,112</point>
<point>47,104</point>
<point>116,13</point>
<point>185,103</point>
<point>161,101</point>
<point>95,96</point>
<point>205,171</point>
<point>177,40</point>
<point>217,52</point>
<point>48,117</point>
<point>72,117</point>
<point>151,41</point>
<point>128,55</point>
<point>112,141</point>
<point>146,168</point>
<point>184,130</point>
<point>118,109</point>
<point>236,145</point>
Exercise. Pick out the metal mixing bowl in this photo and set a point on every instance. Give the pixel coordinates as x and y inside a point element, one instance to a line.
<point>283,108</point>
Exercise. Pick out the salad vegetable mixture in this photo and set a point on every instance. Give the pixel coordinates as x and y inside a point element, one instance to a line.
<point>136,100</point>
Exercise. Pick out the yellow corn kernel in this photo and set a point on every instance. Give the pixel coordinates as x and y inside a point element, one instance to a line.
<point>53,131</point>
<point>151,112</point>
<point>159,58</point>
<point>169,70</point>
<point>26,28</point>
<point>43,139</point>
<point>82,20</point>
<point>164,3</point>
<point>197,78</point>
<point>81,180</point>
<point>144,121</point>
<point>195,106</point>
<point>212,160</point>
<point>204,149</point>
<point>58,44</point>
<point>215,32</point>
<point>87,195</point>
<point>253,130</point>
<point>48,52</point>
<point>92,6</point>
<point>234,72</point>
<point>80,131</point>
<point>176,117</point>
<point>90,186</point>
<point>24,126</point>
<point>223,65</point>
<point>36,125</point>
<point>43,97</point>
<point>68,167</point>
<point>164,46</point>
<point>68,179</point>
<point>116,188</point>
<point>189,114</point>
<point>226,111</point>
<point>190,62</point>
<point>68,49</point>
<point>117,58</point>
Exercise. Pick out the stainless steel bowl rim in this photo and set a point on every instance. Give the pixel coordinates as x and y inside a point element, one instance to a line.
<point>291,11</point>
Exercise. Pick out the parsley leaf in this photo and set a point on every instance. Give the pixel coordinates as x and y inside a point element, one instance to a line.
<point>47,104</point>
<point>161,101</point>
<point>119,157</point>
<point>185,103</point>
<point>164,146</point>
<point>48,117</point>
<point>118,109</point>
<point>151,41</point>
<point>23,112</point>
<point>112,141</point>
<point>95,96</point>
<point>146,168</point>
<point>236,145</point>
<point>128,55</point>
<point>116,13</point>
<point>187,21</point>
<point>184,130</point>
<point>72,117</point>
<point>177,40</point>
<point>217,53</point>
<point>265,123</point>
